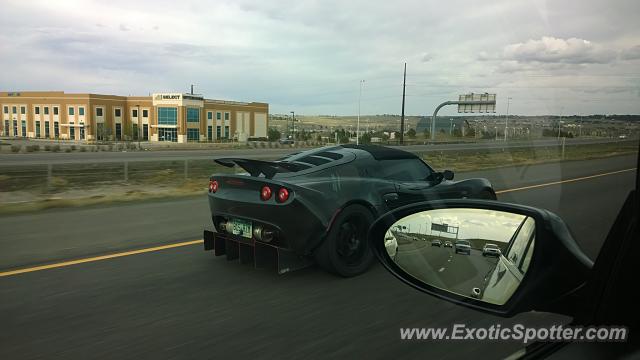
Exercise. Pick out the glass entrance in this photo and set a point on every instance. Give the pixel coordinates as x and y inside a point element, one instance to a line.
<point>168,134</point>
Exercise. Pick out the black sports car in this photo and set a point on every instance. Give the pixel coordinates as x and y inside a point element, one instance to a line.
<point>318,204</point>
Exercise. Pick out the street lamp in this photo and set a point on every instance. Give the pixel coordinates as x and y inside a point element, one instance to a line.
<point>358,125</point>
<point>138,113</point>
<point>293,123</point>
<point>560,121</point>
<point>506,120</point>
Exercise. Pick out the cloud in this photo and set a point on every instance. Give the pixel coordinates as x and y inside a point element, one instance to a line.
<point>632,53</point>
<point>555,50</point>
<point>309,56</point>
<point>426,57</point>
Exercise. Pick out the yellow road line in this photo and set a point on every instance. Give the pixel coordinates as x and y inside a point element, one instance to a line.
<point>98,258</point>
<point>194,242</point>
<point>563,181</point>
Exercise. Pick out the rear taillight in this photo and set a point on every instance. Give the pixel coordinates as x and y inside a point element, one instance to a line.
<point>265,193</point>
<point>213,186</point>
<point>283,195</point>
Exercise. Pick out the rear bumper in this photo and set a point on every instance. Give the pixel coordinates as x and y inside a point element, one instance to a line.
<point>255,253</point>
<point>297,228</point>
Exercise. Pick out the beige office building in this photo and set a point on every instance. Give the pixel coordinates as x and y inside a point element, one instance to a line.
<point>172,117</point>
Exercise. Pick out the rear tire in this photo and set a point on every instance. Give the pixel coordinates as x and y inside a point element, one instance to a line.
<point>345,251</point>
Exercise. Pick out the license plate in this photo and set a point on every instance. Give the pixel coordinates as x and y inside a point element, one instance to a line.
<point>241,228</point>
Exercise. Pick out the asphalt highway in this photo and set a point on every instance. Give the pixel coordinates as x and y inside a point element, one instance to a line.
<point>182,302</point>
<point>171,155</point>
<point>444,268</point>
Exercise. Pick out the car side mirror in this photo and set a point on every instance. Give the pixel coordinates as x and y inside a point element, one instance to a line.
<point>448,174</point>
<point>502,259</point>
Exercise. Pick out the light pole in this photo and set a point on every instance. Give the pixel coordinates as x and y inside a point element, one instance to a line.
<point>506,120</point>
<point>450,127</point>
<point>560,122</point>
<point>293,124</point>
<point>358,125</point>
<point>138,118</point>
<point>496,130</point>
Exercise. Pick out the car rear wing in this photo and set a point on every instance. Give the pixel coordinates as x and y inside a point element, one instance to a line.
<point>259,167</point>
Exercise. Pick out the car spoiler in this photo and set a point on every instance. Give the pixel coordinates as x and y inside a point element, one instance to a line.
<point>257,167</point>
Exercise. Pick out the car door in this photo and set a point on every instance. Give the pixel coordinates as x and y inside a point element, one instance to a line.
<point>410,179</point>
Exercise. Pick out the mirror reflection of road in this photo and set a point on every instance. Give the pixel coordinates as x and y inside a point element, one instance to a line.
<point>442,267</point>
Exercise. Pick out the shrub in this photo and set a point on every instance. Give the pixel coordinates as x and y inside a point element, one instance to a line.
<point>73,148</point>
<point>47,148</point>
<point>55,148</point>
<point>32,148</point>
<point>16,148</point>
<point>83,149</point>
<point>67,150</point>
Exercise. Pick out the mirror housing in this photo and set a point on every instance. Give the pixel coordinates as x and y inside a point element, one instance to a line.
<point>448,174</point>
<point>558,267</point>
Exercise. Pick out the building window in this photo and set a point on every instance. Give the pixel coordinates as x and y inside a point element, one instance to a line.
<point>209,132</point>
<point>167,116</point>
<point>6,109</point>
<point>145,113</point>
<point>209,115</point>
<point>193,134</point>
<point>218,116</point>
<point>46,110</point>
<point>14,110</point>
<point>72,132</point>
<point>134,131</point>
<point>218,132</point>
<point>100,135</point>
<point>118,131</point>
<point>37,110</point>
<point>226,116</point>
<point>72,111</point>
<point>56,129</point>
<point>46,129</point>
<point>6,128</point>
<point>38,129</point>
<point>23,110</point>
<point>145,132</point>
<point>118,112</point>
<point>81,111</point>
<point>193,115</point>
<point>82,133</point>
<point>55,110</point>
<point>226,132</point>
<point>24,128</point>
<point>15,127</point>
<point>134,113</point>
<point>98,111</point>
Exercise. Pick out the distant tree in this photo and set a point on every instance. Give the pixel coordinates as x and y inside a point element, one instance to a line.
<point>426,133</point>
<point>411,133</point>
<point>457,132</point>
<point>365,139</point>
<point>273,134</point>
<point>319,138</point>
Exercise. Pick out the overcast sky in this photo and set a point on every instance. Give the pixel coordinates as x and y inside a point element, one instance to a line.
<point>497,226</point>
<point>550,57</point>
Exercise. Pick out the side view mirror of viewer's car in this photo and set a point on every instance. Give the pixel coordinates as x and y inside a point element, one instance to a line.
<point>504,259</point>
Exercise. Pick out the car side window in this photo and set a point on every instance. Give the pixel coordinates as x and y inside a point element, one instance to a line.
<point>519,253</point>
<point>405,170</point>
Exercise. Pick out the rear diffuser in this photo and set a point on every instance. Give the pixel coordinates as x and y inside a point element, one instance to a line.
<point>252,252</point>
